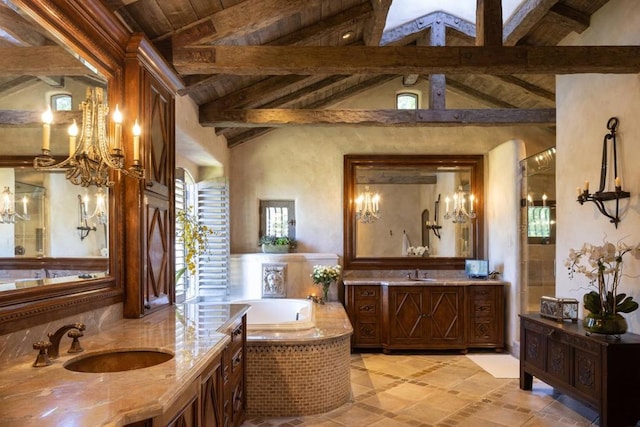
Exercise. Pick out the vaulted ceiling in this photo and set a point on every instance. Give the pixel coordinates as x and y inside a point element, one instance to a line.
<point>255,65</point>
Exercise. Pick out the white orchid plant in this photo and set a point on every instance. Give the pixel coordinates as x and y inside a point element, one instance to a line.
<point>602,266</point>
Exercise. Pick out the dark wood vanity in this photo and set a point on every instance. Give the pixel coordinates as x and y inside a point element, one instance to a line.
<point>439,315</point>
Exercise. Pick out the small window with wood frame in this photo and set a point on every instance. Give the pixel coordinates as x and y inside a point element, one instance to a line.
<point>277,218</point>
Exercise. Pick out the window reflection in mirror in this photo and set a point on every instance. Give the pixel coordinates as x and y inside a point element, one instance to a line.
<point>408,197</point>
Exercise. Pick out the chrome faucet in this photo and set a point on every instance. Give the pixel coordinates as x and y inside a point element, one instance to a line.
<point>55,337</point>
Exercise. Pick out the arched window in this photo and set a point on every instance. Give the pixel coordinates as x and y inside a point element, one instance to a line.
<point>61,102</point>
<point>408,100</point>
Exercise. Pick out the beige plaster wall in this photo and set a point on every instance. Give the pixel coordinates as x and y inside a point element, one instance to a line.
<point>198,149</point>
<point>585,103</point>
<point>305,164</point>
<point>502,226</point>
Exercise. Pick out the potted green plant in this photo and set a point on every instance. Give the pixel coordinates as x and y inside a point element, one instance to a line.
<point>277,244</point>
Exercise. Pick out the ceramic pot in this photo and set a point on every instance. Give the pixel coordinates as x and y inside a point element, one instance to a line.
<point>608,324</point>
<point>275,249</point>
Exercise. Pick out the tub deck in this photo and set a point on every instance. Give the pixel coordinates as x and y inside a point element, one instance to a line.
<point>297,373</point>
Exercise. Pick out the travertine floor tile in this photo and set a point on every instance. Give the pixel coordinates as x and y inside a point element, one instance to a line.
<point>440,391</point>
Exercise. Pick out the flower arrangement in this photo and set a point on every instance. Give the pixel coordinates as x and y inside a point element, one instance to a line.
<point>602,265</point>
<point>195,238</point>
<point>325,275</point>
<point>417,250</point>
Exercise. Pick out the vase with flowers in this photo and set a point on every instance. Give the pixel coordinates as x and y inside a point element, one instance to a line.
<point>602,266</point>
<point>325,275</point>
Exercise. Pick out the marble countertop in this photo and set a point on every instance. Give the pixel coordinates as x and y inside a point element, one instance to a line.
<point>55,396</point>
<point>404,281</point>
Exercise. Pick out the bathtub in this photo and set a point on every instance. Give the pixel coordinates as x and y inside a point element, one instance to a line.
<point>279,314</point>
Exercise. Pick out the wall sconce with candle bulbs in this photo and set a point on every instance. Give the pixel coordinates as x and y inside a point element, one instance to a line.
<point>368,207</point>
<point>601,196</point>
<point>460,213</point>
<point>8,214</point>
<point>99,213</point>
<point>92,154</point>
<point>435,226</point>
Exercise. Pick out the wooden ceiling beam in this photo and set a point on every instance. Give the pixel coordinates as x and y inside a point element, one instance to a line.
<point>375,28</point>
<point>379,118</point>
<point>568,17</point>
<point>281,60</point>
<point>39,61</point>
<point>489,23</point>
<point>239,20</point>
<point>524,19</point>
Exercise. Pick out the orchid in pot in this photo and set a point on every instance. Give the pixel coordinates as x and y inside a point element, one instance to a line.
<point>325,275</point>
<point>602,266</point>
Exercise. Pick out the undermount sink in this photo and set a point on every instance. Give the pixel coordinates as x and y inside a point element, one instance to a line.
<point>422,279</point>
<point>117,361</point>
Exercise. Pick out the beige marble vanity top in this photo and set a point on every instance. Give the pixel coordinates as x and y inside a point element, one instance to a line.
<point>55,396</point>
<point>404,281</point>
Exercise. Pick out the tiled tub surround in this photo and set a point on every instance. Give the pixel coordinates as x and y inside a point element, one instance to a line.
<point>296,373</point>
<point>55,396</point>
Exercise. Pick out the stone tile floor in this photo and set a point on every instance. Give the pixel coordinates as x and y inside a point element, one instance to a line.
<point>440,390</point>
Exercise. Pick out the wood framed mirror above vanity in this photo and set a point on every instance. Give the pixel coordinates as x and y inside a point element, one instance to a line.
<point>413,190</point>
<point>84,42</point>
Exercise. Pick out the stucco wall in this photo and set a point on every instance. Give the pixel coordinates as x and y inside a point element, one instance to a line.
<point>584,105</point>
<point>305,164</point>
<point>503,192</point>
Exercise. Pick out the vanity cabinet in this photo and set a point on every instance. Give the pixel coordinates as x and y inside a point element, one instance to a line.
<point>485,316</point>
<point>423,317</point>
<point>234,375</point>
<point>364,304</point>
<point>412,316</point>
<point>594,369</point>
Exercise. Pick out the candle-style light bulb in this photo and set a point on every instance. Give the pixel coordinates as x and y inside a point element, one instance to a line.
<point>73,133</point>
<point>618,182</point>
<point>47,119</point>
<point>471,199</point>
<point>25,211</point>
<point>544,200</point>
<point>136,141</point>
<point>117,119</point>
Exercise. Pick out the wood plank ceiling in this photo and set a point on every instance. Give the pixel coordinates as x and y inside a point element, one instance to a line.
<point>255,65</point>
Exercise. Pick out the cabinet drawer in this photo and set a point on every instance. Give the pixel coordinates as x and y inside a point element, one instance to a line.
<point>368,292</point>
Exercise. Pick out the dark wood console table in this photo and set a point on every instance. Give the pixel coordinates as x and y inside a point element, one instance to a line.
<point>593,369</point>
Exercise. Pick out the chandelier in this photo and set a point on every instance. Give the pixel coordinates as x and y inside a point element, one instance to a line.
<point>368,207</point>
<point>99,213</point>
<point>460,213</point>
<point>94,154</point>
<point>8,215</point>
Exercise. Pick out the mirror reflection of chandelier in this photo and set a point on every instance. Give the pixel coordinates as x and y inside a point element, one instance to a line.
<point>94,154</point>
<point>8,214</point>
<point>460,213</point>
<point>368,207</point>
<point>99,213</point>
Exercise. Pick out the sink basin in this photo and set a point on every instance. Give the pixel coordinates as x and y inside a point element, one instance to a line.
<point>422,279</point>
<point>117,361</point>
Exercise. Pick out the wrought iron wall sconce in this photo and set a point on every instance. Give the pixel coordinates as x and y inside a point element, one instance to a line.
<point>600,197</point>
<point>434,226</point>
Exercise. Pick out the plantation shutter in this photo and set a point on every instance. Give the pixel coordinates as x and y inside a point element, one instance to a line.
<point>181,205</point>
<point>213,267</point>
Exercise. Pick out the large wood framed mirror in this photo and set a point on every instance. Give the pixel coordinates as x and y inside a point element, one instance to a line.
<point>55,55</point>
<point>416,193</point>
